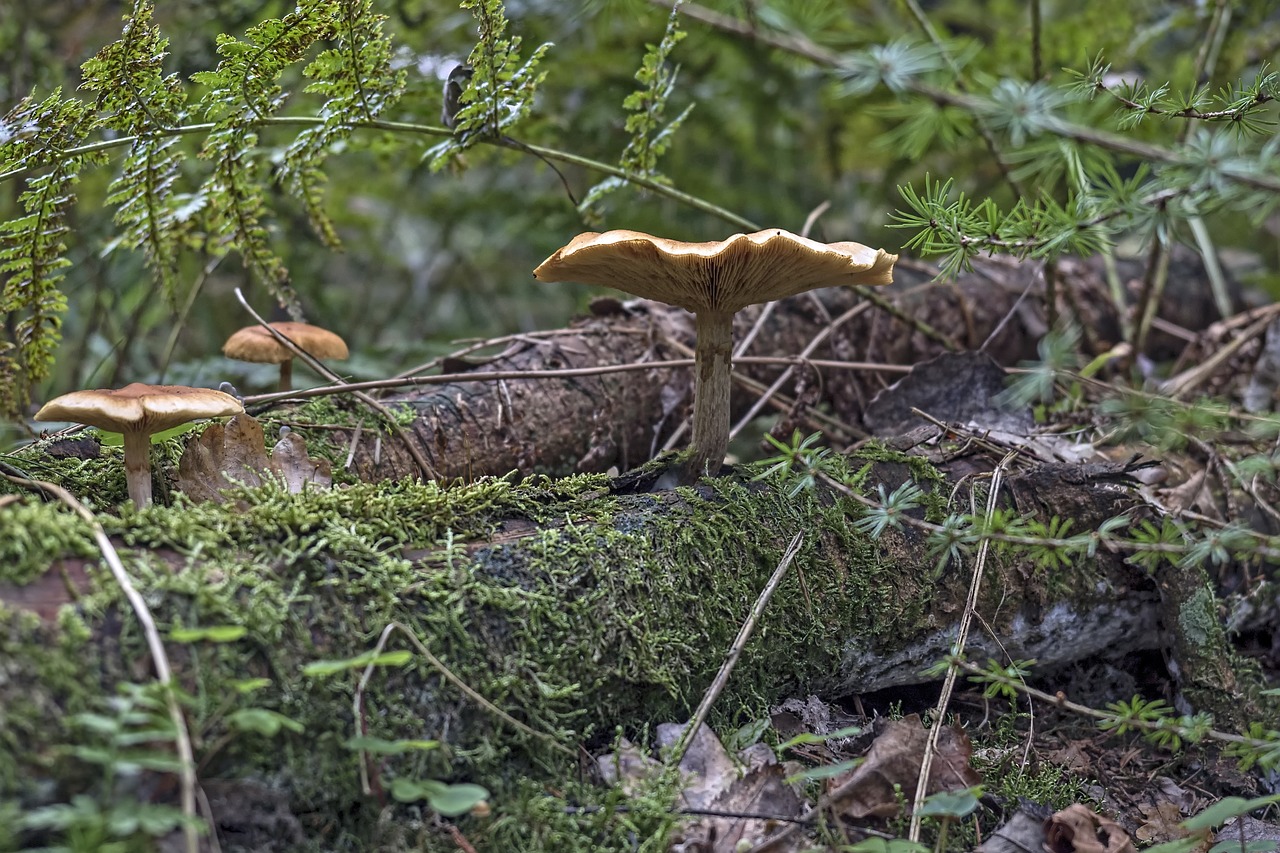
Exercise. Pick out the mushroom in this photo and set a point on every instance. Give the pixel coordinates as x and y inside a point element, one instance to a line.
<point>256,344</point>
<point>137,411</point>
<point>714,281</point>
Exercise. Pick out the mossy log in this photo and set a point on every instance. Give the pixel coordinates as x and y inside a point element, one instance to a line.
<point>572,605</point>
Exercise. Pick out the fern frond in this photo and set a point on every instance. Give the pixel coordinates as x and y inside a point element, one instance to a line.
<point>650,138</point>
<point>243,90</point>
<point>501,89</point>
<point>135,97</point>
<point>358,84</point>
<point>33,248</point>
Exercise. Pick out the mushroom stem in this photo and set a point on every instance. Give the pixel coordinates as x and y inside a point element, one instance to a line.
<point>137,466</point>
<point>286,375</point>
<point>713,357</point>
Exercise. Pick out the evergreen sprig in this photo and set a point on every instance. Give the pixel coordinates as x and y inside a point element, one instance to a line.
<point>1238,104</point>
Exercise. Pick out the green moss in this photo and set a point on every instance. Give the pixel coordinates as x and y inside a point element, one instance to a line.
<point>42,681</point>
<point>1197,619</point>
<point>918,469</point>
<point>99,482</point>
<point>578,818</point>
<point>35,535</point>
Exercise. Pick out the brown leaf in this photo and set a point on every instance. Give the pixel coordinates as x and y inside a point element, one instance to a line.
<point>289,459</point>
<point>1161,822</point>
<point>235,455</point>
<point>1077,829</point>
<point>222,457</point>
<point>893,763</point>
<point>754,784</point>
<point>1072,756</point>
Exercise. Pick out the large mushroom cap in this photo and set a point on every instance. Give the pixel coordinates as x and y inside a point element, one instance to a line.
<point>138,407</point>
<point>256,344</point>
<point>726,276</point>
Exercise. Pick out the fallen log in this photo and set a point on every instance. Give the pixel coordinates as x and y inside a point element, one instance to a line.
<point>594,423</point>
<point>573,606</point>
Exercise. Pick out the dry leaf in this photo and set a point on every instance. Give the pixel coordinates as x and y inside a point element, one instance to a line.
<point>752,784</point>
<point>627,767</point>
<point>1072,756</point>
<point>222,457</point>
<point>893,764</point>
<point>1161,822</point>
<point>1077,829</point>
<point>289,459</point>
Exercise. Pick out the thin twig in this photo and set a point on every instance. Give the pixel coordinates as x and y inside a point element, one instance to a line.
<point>456,682</point>
<point>735,651</point>
<point>159,658</point>
<point>1175,386</point>
<point>813,344</point>
<point>767,311</point>
<point>656,187</point>
<point>557,373</point>
<point>962,637</point>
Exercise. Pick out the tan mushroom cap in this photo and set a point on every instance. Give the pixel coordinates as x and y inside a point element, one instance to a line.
<point>140,408</point>
<point>745,269</point>
<point>256,344</point>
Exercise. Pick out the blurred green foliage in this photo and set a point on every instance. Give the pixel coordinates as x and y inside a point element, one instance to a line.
<point>427,257</point>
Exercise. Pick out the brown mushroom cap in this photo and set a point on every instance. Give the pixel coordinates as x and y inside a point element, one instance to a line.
<point>139,408</point>
<point>724,276</point>
<point>256,344</point>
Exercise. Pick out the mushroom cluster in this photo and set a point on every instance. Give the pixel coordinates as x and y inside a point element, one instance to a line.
<point>137,411</point>
<point>714,281</point>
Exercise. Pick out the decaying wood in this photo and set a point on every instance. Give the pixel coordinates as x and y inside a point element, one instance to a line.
<point>593,423</point>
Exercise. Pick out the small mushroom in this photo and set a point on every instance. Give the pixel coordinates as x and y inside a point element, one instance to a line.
<point>137,411</point>
<point>714,281</point>
<point>256,344</point>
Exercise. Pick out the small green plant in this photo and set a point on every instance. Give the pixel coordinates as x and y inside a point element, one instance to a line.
<point>447,799</point>
<point>1202,825</point>
<point>948,807</point>
<point>800,461</point>
<point>125,740</point>
<point>649,137</point>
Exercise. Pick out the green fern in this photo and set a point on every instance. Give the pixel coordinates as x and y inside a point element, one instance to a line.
<point>33,247</point>
<point>650,138</point>
<point>135,97</point>
<point>501,89</point>
<point>242,91</point>
<point>358,84</point>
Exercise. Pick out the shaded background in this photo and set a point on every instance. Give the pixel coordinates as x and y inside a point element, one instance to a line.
<point>431,258</point>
